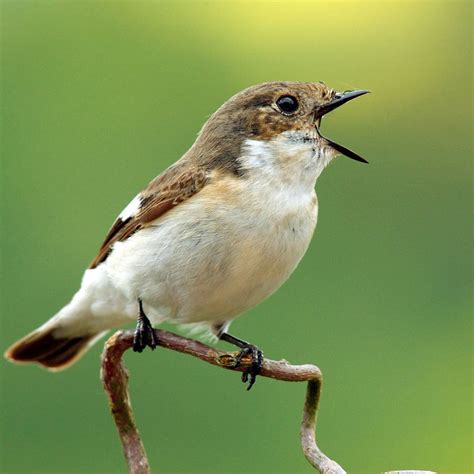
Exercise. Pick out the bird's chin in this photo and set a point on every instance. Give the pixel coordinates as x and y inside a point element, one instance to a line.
<point>328,151</point>
<point>322,146</point>
<point>324,153</point>
<point>322,156</point>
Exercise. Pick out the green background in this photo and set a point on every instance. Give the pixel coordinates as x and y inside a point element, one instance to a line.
<point>99,97</point>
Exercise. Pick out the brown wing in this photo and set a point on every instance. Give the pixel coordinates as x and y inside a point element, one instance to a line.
<point>175,185</point>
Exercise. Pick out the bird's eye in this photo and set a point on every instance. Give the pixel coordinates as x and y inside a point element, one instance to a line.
<point>287,104</point>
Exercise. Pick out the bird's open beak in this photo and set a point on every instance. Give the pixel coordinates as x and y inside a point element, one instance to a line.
<point>339,99</point>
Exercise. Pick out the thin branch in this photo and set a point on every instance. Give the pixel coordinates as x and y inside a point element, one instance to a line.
<point>115,380</point>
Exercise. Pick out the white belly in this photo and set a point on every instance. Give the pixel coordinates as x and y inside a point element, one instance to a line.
<point>205,262</point>
<point>230,246</point>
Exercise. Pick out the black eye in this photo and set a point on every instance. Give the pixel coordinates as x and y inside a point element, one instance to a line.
<point>287,104</point>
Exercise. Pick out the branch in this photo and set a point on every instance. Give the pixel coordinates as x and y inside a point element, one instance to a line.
<point>115,380</point>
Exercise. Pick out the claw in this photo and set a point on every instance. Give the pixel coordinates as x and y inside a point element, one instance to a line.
<point>250,374</point>
<point>144,334</point>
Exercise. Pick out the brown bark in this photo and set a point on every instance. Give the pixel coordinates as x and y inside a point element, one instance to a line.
<point>115,380</point>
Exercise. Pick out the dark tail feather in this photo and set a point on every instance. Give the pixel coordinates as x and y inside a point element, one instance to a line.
<point>53,352</point>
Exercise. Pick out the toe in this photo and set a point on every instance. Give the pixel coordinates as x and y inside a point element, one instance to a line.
<point>250,374</point>
<point>137,343</point>
<point>253,378</point>
<point>152,340</point>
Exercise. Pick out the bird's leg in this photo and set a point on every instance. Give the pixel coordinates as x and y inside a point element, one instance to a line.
<point>144,333</point>
<point>251,373</point>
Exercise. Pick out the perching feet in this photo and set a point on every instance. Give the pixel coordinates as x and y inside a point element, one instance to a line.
<point>144,334</point>
<point>250,374</point>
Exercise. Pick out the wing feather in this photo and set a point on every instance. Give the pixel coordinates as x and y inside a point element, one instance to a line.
<point>166,191</point>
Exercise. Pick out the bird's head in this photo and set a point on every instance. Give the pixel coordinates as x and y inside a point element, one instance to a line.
<point>287,111</point>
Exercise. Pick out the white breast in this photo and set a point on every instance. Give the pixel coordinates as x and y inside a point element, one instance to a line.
<point>230,246</point>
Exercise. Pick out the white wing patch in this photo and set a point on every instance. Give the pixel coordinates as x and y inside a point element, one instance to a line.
<point>132,208</point>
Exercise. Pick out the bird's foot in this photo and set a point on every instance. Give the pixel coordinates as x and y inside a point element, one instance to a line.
<point>250,374</point>
<point>144,333</point>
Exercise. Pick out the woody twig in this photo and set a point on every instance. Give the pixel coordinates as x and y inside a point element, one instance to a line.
<point>115,380</point>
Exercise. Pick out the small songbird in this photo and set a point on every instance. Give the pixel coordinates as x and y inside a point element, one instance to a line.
<point>213,235</point>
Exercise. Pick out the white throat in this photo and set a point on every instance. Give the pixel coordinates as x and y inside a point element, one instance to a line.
<point>295,159</point>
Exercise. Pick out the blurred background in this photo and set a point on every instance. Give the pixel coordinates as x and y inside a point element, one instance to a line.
<point>99,97</point>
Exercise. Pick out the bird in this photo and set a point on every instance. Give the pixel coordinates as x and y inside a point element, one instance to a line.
<point>210,237</point>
